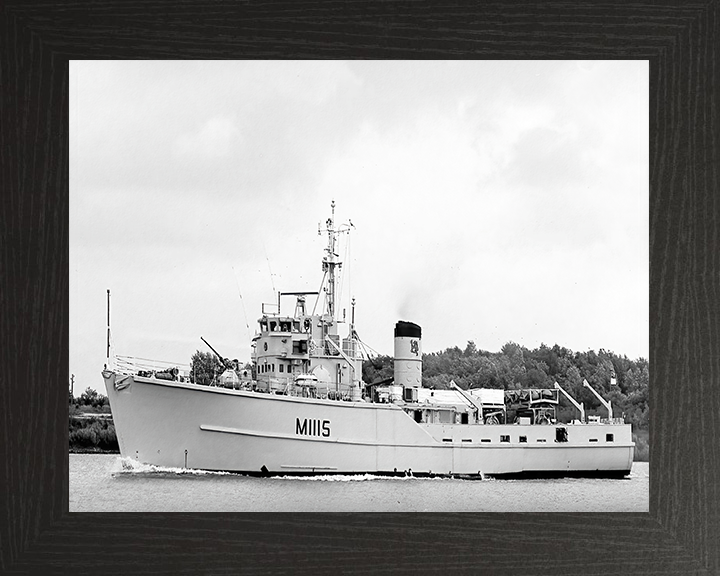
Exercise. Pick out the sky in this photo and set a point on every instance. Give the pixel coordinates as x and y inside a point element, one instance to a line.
<point>491,201</point>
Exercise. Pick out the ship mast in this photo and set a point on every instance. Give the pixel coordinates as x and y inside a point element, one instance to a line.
<point>330,262</point>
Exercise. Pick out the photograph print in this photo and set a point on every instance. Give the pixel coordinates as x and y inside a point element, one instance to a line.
<point>359,286</point>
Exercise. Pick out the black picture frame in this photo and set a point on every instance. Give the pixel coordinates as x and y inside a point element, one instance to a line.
<point>679,535</point>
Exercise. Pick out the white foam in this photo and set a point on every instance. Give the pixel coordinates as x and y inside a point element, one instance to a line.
<point>128,466</point>
<point>353,478</point>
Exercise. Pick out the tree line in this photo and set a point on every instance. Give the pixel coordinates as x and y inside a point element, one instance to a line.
<point>89,428</point>
<point>89,401</point>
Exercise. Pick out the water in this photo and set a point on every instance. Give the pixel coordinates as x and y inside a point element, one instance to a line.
<point>108,483</point>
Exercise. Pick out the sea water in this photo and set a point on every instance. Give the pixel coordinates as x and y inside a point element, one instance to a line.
<point>109,483</point>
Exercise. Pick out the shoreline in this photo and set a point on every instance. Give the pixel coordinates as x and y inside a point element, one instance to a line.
<point>92,451</point>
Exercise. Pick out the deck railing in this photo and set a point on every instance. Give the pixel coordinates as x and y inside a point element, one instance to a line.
<point>132,364</point>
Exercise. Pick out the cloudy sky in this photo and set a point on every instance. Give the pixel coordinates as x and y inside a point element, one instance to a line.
<point>492,201</point>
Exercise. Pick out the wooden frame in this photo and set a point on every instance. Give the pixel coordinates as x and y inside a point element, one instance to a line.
<point>680,535</point>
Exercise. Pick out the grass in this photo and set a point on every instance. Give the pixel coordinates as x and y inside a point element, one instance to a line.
<point>92,435</point>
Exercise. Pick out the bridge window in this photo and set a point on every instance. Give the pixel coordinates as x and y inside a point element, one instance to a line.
<point>282,369</point>
<point>300,346</point>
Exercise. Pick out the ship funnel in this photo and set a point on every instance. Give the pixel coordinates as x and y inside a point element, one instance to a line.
<point>408,355</point>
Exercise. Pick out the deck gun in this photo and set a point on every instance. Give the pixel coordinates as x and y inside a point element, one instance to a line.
<point>224,361</point>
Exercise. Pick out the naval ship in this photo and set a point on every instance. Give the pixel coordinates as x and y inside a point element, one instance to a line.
<point>302,408</point>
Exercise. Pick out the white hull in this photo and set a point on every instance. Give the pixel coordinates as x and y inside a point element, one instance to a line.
<point>173,424</point>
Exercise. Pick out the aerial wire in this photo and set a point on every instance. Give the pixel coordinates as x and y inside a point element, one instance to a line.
<point>237,281</point>
<point>272,282</point>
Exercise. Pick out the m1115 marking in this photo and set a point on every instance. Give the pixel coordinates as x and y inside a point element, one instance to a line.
<point>312,427</point>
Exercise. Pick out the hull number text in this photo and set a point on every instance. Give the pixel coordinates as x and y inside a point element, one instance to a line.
<point>312,427</point>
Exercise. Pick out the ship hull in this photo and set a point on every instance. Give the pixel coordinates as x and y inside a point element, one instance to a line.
<point>183,425</point>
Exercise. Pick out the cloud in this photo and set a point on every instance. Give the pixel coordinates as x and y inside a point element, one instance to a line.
<point>492,200</point>
<point>212,139</point>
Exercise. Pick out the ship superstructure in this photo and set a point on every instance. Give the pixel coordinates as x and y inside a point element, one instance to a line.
<point>305,353</point>
<point>304,409</point>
